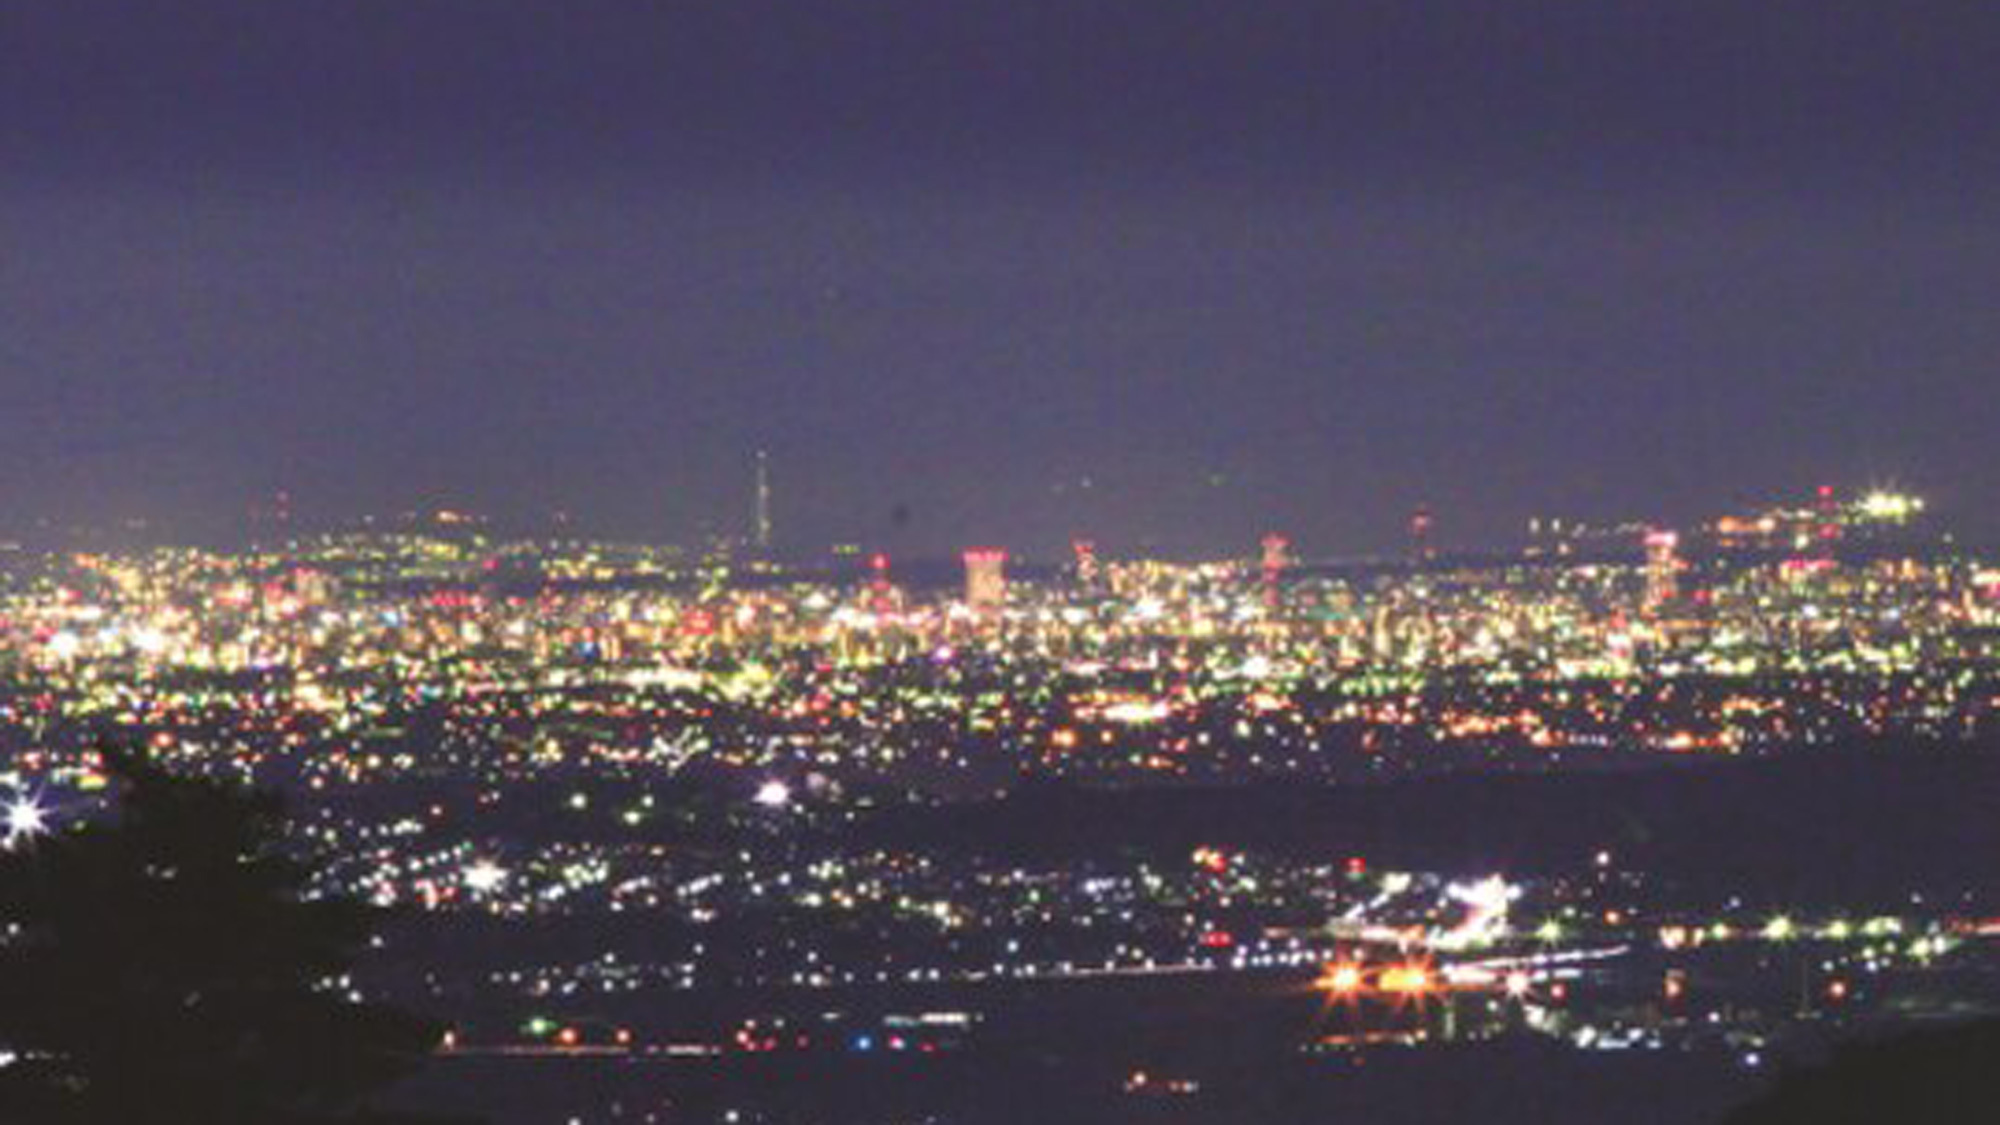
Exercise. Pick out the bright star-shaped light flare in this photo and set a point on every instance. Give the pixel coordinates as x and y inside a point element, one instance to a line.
<point>26,819</point>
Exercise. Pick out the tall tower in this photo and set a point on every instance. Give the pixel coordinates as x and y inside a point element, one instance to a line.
<point>1662,567</point>
<point>1421,550</point>
<point>762,515</point>
<point>1828,513</point>
<point>1277,556</point>
<point>985,578</point>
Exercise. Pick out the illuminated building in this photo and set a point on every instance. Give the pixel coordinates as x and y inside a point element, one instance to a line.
<point>985,578</point>
<point>883,597</point>
<point>1276,555</point>
<point>1276,558</point>
<point>1086,560</point>
<point>1662,567</point>
<point>1829,521</point>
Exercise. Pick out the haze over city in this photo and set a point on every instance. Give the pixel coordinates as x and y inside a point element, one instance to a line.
<point>1162,274</point>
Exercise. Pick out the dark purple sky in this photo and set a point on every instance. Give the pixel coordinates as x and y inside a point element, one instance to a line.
<point>1235,265</point>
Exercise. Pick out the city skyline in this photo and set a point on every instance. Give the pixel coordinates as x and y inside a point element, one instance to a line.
<point>778,841</point>
<point>757,531</point>
<point>752,562</point>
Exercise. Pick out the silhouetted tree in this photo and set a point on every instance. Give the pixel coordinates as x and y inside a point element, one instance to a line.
<point>164,965</point>
<point>1945,1075</point>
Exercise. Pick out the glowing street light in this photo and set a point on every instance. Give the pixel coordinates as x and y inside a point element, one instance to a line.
<point>1341,979</point>
<point>26,819</point>
<point>484,877</point>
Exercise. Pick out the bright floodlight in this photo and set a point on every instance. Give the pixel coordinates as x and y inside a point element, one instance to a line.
<point>25,819</point>
<point>1342,978</point>
<point>773,795</point>
<point>484,876</point>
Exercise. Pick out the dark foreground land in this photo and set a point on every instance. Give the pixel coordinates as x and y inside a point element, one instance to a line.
<point>1845,831</point>
<point>1525,1082</point>
<point>1849,825</point>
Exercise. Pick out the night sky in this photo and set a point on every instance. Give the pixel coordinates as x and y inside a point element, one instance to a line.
<point>1169,274</point>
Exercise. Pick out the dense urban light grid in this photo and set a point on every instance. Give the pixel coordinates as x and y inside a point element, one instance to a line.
<point>759,563</point>
<point>556,733</point>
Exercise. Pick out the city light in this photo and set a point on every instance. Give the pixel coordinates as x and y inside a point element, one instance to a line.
<point>484,877</point>
<point>651,727</point>
<point>26,819</point>
<point>1890,505</point>
<point>1342,978</point>
<point>1408,979</point>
